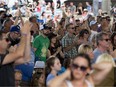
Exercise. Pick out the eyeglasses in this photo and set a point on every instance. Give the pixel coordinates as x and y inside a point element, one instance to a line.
<point>16,32</point>
<point>86,33</point>
<point>82,68</point>
<point>106,40</point>
<point>72,28</point>
<point>7,40</point>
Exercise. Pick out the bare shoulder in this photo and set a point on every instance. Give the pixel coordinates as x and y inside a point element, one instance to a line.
<point>64,84</point>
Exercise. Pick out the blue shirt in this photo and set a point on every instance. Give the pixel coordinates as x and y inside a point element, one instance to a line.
<point>61,71</point>
<point>49,77</point>
<point>27,68</point>
<point>96,53</point>
<point>89,8</point>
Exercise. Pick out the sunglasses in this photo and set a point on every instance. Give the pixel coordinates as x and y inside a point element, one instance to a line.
<point>7,40</point>
<point>106,40</point>
<point>73,28</point>
<point>86,33</point>
<point>16,32</point>
<point>76,66</point>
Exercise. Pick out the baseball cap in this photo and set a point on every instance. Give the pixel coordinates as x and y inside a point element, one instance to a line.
<point>15,28</point>
<point>39,64</point>
<point>93,22</point>
<point>46,27</point>
<point>85,10</point>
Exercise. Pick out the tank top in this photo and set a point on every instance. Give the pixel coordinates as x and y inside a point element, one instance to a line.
<point>6,73</point>
<point>69,84</point>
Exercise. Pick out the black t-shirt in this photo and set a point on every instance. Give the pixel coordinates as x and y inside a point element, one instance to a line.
<point>6,73</point>
<point>54,49</point>
<point>80,13</point>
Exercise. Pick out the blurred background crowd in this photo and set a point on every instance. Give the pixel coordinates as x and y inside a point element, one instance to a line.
<point>66,42</point>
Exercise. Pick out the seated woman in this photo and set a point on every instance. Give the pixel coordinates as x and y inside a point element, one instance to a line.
<point>55,48</point>
<point>52,67</point>
<point>77,75</point>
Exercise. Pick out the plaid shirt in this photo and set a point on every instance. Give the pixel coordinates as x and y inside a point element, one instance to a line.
<point>67,41</point>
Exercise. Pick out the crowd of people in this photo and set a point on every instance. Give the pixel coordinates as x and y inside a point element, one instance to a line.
<point>57,45</point>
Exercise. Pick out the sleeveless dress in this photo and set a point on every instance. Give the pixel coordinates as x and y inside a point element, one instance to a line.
<point>69,84</point>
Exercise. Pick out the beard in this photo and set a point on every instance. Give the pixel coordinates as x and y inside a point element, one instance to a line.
<point>46,34</point>
<point>14,41</point>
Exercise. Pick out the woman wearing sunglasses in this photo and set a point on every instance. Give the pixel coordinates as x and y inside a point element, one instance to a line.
<point>79,73</point>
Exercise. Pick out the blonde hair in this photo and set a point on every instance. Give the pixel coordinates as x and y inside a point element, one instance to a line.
<point>105,58</point>
<point>84,48</point>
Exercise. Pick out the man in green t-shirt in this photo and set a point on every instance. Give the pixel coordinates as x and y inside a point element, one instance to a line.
<point>41,44</point>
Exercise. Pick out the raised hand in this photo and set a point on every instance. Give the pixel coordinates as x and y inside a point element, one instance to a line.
<point>18,13</point>
<point>25,29</point>
<point>12,49</point>
<point>59,49</point>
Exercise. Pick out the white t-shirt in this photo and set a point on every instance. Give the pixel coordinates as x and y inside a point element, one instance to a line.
<point>69,84</point>
<point>100,0</point>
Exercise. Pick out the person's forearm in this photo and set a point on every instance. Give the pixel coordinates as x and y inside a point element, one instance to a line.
<point>102,66</point>
<point>61,54</point>
<point>27,52</point>
<point>55,53</point>
<point>21,48</point>
<point>57,81</point>
<point>69,47</point>
<point>48,53</point>
<point>81,10</point>
<point>22,20</point>
<point>16,20</point>
<point>64,14</point>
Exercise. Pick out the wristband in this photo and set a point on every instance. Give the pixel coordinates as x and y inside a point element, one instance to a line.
<point>23,34</point>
